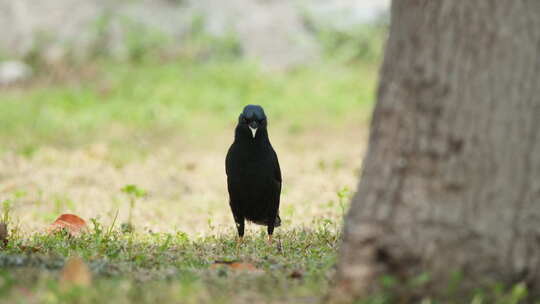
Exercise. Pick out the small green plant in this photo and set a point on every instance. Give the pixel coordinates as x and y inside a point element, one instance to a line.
<point>343,196</point>
<point>133,192</point>
<point>501,294</point>
<point>6,211</point>
<point>518,293</point>
<point>110,230</point>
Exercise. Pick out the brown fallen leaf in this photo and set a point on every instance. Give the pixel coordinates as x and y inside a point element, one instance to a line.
<point>73,224</point>
<point>29,249</point>
<point>237,266</point>
<point>75,273</point>
<point>297,274</point>
<point>243,266</point>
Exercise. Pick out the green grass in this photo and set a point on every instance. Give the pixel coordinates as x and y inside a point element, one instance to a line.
<point>145,267</point>
<point>155,99</point>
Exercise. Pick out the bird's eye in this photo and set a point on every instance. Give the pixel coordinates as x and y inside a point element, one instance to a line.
<point>244,120</point>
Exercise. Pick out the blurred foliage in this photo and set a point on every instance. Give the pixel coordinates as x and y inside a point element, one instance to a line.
<point>200,45</point>
<point>354,43</point>
<point>142,41</point>
<point>122,38</point>
<point>125,39</point>
<point>359,43</point>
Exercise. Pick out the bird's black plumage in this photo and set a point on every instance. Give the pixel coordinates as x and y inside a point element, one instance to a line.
<point>253,173</point>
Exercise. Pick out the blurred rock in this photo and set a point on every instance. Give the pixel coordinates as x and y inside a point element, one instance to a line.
<point>14,71</point>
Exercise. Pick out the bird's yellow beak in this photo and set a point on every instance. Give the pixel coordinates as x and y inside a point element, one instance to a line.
<point>253,131</point>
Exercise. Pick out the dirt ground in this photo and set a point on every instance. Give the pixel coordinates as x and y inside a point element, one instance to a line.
<point>185,182</point>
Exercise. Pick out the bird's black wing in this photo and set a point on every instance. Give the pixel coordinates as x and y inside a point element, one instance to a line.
<point>276,189</point>
<point>228,161</point>
<point>277,169</point>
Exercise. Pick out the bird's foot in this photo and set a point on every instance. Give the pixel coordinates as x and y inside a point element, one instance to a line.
<point>270,240</point>
<point>239,240</point>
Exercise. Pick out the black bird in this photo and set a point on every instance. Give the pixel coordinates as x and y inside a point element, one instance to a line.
<point>253,173</point>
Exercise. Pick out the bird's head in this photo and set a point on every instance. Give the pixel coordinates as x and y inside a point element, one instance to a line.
<point>252,121</point>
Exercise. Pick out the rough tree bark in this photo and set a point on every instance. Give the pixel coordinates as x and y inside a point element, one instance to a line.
<point>451,179</point>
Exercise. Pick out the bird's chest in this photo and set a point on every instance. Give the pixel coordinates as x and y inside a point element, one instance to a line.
<point>254,169</point>
<point>250,166</point>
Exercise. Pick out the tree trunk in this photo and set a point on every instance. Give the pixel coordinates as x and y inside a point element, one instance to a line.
<point>451,179</point>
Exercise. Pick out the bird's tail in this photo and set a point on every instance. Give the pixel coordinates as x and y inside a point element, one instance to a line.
<point>277,223</point>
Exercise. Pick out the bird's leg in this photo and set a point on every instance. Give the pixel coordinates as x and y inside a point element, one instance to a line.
<point>270,232</point>
<point>240,228</point>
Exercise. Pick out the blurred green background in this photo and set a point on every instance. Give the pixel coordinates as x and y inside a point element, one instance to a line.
<point>159,99</point>
<point>164,86</point>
